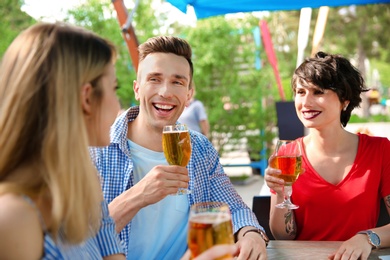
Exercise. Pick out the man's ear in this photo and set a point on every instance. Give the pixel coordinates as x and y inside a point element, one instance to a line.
<point>86,98</point>
<point>136,90</point>
<point>189,96</point>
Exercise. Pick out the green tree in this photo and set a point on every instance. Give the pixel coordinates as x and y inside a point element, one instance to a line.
<point>100,17</point>
<point>13,21</point>
<point>363,33</point>
<point>232,89</point>
<point>240,99</point>
<point>357,32</point>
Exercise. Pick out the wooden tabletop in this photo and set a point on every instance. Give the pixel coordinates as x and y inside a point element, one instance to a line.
<point>318,250</point>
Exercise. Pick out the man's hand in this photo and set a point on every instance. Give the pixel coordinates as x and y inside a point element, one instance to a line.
<point>161,181</point>
<point>252,245</point>
<point>214,253</point>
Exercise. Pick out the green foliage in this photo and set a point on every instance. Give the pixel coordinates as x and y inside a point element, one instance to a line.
<point>229,85</point>
<point>360,32</point>
<point>372,118</point>
<point>99,16</point>
<point>240,100</point>
<point>13,22</point>
<point>383,67</point>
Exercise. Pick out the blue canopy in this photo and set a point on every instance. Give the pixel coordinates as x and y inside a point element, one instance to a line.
<point>207,8</point>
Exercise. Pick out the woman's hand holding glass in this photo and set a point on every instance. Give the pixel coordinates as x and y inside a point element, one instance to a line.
<point>271,178</point>
<point>285,168</point>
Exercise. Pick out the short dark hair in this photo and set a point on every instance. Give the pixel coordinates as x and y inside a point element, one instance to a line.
<point>336,73</point>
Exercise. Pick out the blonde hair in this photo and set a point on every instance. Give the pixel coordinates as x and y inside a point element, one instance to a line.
<point>42,123</point>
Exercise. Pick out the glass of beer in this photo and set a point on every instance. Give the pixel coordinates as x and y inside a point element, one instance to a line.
<point>288,159</point>
<point>210,224</point>
<point>176,143</point>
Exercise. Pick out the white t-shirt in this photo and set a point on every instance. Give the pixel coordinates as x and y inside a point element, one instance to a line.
<point>158,231</point>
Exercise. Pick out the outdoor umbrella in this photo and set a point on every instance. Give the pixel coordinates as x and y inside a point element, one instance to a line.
<point>207,8</point>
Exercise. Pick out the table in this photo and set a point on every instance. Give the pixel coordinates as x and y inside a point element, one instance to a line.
<point>305,250</point>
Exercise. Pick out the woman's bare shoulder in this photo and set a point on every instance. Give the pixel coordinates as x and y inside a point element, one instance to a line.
<point>20,229</point>
<point>15,208</point>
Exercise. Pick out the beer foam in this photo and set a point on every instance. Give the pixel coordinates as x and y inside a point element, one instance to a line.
<point>175,131</point>
<point>215,218</point>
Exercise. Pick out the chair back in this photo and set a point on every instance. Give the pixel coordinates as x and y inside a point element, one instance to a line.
<point>384,218</point>
<point>261,206</point>
<point>289,125</point>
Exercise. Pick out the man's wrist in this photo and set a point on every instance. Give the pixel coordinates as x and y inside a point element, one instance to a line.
<point>245,231</point>
<point>262,234</point>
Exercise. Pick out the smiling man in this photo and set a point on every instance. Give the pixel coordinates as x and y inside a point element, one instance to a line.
<point>137,179</point>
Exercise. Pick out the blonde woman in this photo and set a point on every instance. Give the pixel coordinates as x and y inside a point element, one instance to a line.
<point>57,96</point>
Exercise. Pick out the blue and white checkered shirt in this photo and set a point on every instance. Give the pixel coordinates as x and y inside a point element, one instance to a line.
<point>208,181</point>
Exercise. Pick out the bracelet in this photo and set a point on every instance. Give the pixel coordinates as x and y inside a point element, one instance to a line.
<point>260,232</point>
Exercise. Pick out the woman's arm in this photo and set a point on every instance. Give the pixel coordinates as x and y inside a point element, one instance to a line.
<point>282,221</point>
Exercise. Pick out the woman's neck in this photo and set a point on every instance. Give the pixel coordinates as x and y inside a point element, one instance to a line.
<point>330,141</point>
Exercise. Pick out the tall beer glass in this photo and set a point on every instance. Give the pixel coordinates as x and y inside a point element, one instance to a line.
<point>288,159</point>
<point>209,224</point>
<point>176,143</point>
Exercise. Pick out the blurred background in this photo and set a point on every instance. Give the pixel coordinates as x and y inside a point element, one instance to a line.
<point>238,81</point>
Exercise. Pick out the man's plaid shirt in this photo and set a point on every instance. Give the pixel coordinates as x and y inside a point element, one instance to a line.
<point>208,181</point>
